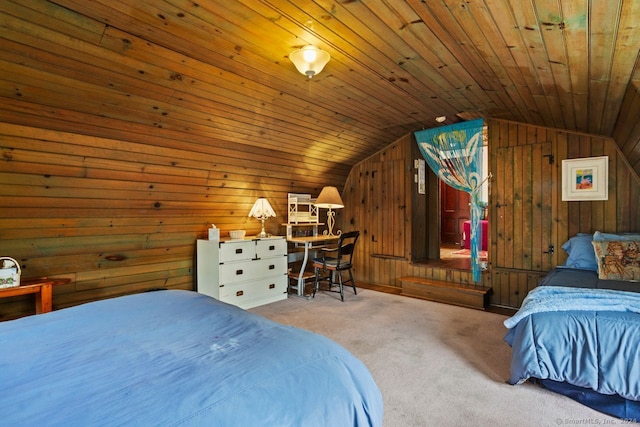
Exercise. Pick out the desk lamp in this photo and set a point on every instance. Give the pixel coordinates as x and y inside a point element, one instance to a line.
<point>329,198</point>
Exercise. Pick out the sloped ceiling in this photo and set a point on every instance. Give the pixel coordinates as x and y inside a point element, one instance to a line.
<point>220,68</point>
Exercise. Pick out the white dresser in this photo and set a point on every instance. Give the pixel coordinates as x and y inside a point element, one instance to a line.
<point>246,273</point>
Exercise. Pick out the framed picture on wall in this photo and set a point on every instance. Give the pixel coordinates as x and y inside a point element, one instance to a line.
<point>585,179</point>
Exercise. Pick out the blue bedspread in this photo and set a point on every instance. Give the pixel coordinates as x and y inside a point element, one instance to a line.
<point>594,343</point>
<point>557,298</point>
<point>177,358</point>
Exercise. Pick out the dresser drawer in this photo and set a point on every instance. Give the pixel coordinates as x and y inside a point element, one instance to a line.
<point>249,293</point>
<point>271,247</point>
<point>234,272</point>
<point>237,250</point>
<point>246,273</point>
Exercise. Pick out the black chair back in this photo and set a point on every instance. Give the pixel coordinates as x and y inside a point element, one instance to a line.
<point>346,248</point>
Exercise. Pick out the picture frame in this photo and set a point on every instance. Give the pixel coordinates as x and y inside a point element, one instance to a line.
<point>585,179</point>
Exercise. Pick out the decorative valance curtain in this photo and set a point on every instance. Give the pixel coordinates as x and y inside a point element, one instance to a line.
<point>454,153</point>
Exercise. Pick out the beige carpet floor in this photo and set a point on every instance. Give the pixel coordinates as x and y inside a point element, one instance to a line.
<point>435,364</point>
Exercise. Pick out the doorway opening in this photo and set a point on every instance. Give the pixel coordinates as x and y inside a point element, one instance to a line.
<point>447,211</point>
<point>455,224</point>
<point>454,211</point>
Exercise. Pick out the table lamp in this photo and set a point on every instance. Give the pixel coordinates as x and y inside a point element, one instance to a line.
<point>262,210</point>
<point>329,198</point>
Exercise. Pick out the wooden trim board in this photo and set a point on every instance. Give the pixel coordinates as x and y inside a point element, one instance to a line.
<point>447,292</point>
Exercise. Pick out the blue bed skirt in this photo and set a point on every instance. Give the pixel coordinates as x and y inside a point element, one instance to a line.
<point>613,405</point>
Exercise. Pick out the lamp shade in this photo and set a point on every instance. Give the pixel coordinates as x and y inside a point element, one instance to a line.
<point>329,198</point>
<point>309,60</point>
<point>262,209</point>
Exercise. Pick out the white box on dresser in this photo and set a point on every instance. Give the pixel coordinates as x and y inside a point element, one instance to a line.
<point>246,272</point>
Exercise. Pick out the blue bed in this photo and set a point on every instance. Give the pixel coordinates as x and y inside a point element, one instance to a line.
<point>580,336</point>
<point>177,358</point>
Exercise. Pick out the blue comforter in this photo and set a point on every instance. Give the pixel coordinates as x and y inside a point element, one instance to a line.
<point>176,358</point>
<point>585,337</point>
<point>557,298</point>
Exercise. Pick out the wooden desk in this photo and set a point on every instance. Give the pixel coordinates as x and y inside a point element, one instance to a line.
<point>41,287</point>
<point>308,242</point>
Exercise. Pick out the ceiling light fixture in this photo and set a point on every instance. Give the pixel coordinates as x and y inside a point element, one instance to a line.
<point>441,119</point>
<point>309,60</point>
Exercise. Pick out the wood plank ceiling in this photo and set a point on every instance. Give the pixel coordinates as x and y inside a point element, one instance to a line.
<point>220,68</point>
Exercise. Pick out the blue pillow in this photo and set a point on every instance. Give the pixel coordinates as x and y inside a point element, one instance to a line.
<point>581,253</point>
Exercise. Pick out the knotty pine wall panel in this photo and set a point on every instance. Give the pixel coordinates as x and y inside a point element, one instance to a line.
<point>371,205</point>
<point>627,130</point>
<point>526,211</point>
<point>118,215</point>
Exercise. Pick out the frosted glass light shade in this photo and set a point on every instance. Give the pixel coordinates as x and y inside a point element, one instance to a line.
<point>309,60</point>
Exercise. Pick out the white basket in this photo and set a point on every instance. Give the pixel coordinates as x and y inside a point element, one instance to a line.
<point>10,276</point>
<point>237,234</point>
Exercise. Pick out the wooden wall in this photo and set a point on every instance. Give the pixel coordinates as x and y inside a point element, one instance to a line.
<point>121,214</point>
<point>122,136</point>
<point>627,130</point>
<point>117,152</point>
<point>526,211</point>
<point>381,201</point>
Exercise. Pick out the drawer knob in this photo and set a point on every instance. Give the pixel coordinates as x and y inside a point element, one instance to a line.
<point>272,248</point>
<point>239,272</point>
<point>272,286</point>
<point>239,250</point>
<point>239,293</point>
<point>272,267</point>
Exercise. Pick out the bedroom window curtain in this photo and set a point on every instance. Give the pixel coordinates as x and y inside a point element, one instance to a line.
<point>454,153</point>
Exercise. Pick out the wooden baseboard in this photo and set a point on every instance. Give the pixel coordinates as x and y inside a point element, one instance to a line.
<point>446,292</point>
<point>396,290</point>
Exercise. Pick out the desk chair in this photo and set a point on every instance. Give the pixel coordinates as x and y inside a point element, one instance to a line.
<point>336,265</point>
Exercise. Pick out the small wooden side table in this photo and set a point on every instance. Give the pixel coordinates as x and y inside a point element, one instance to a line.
<point>41,287</point>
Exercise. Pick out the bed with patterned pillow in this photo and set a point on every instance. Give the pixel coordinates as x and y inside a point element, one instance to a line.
<point>578,332</point>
